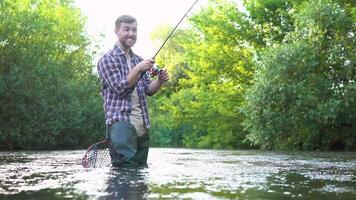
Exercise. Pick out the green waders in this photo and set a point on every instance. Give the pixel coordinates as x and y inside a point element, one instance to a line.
<point>133,150</point>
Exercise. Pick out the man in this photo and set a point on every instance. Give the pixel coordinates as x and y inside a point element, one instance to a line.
<point>125,85</point>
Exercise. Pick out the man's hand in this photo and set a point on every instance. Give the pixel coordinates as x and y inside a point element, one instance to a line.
<point>136,72</point>
<point>145,65</point>
<point>163,76</point>
<point>156,84</point>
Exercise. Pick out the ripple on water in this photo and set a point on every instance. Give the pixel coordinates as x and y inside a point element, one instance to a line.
<point>182,174</point>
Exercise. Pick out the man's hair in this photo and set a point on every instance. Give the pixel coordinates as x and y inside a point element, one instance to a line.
<point>124,19</point>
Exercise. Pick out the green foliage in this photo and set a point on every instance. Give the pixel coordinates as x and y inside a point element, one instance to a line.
<point>303,96</point>
<point>277,74</point>
<point>48,95</point>
<point>269,21</point>
<point>211,69</point>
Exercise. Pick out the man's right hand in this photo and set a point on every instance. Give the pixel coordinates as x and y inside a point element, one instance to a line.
<point>145,65</point>
<point>137,71</point>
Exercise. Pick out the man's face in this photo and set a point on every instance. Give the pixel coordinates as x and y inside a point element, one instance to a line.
<point>127,34</point>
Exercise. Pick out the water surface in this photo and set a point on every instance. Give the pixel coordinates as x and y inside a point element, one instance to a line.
<point>182,174</point>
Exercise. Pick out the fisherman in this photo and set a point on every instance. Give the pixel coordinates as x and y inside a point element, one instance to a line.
<point>125,85</point>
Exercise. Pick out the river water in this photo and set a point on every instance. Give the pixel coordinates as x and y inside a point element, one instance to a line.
<point>182,174</point>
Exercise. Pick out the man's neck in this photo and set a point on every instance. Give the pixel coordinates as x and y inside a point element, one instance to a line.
<point>125,49</point>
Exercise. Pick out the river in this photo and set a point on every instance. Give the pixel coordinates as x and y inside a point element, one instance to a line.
<point>182,174</point>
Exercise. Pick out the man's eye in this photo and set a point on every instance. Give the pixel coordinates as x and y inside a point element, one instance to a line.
<point>129,29</point>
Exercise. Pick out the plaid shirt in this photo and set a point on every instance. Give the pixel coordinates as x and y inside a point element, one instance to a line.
<point>113,70</point>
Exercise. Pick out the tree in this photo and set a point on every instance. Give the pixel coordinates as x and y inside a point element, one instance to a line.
<point>214,68</point>
<point>48,94</point>
<point>303,95</point>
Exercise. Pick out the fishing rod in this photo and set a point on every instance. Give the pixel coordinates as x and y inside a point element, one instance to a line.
<point>156,70</point>
<point>174,29</point>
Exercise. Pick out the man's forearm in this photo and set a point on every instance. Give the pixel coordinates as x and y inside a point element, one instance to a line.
<point>133,76</point>
<point>155,86</point>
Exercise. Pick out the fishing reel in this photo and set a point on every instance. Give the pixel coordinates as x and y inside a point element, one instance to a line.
<point>155,70</point>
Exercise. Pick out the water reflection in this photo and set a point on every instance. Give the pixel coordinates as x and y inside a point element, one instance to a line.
<point>181,174</point>
<point>127,183</point>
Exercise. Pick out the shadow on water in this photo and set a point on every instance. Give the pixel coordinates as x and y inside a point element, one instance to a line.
<point>126,183</point>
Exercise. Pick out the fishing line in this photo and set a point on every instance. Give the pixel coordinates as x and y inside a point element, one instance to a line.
<point>174,29</point>
<point>155,70</point>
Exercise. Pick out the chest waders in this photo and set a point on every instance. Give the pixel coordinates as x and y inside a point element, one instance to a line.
<point>132,149</point>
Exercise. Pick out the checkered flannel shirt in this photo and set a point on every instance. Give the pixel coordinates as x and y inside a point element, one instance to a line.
<point>113,70</point>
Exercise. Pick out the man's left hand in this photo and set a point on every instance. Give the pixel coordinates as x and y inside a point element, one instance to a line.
<point>163,76</point>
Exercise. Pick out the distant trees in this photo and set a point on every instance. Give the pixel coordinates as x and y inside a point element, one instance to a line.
<point>278,75</point>
<point>49,97</point>
<point>304,92</point>
<point>211,70</point>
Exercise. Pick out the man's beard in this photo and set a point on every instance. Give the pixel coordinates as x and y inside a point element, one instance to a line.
<point>128,42</point>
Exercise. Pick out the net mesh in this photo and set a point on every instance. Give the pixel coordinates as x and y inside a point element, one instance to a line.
<point>98,155</point>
